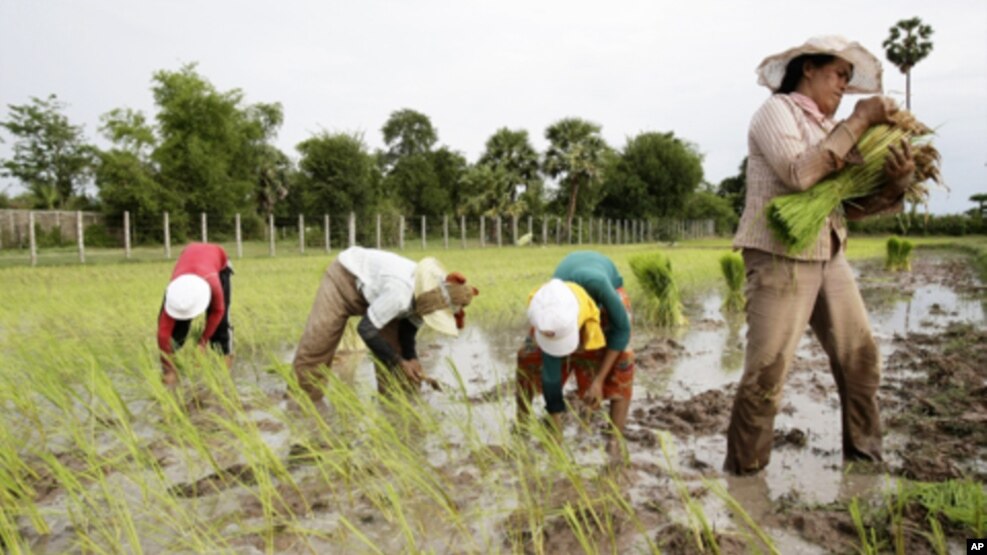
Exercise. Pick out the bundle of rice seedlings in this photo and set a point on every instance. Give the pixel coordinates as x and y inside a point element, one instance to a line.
<point>654,273</point>
<point>899,255</point>
<point>732,265</point>
<point>797,218</point>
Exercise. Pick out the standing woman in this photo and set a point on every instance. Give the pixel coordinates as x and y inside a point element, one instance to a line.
<point>794,142</point>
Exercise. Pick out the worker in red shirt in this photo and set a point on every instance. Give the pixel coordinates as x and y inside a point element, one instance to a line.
<point>200,281</point>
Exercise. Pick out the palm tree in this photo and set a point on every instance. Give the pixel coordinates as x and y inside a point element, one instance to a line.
<point>575,156</point>
<point>907,45</point>
<point>511,152</point>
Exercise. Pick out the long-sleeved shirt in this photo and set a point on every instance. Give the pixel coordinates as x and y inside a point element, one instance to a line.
<point>790,149</point>
<point>387,283</point>
<point>206,261</point>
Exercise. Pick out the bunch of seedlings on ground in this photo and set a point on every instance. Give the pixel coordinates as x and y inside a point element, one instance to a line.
<point>732,266</point>
<point>654,273</point>
<point>899,257</point>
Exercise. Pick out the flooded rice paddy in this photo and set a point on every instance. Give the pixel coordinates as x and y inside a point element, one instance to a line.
<point>468,454</point>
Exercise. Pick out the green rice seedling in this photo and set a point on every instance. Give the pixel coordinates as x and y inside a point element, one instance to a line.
<point>869,544</point>
<point>702,531</point>
<point>936,536</point>
<point>654,274</point>
<point>899,254</point>
<point>732,266</point>
<point>797,218</point>
<point>893,253</point>
<point>961,502</point>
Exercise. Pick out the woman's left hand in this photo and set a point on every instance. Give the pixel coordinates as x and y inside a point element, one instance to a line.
<point>899,167</point>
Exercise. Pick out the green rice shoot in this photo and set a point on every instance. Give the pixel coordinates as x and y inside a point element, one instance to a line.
<point>654,273</point>
<point>732,266</point>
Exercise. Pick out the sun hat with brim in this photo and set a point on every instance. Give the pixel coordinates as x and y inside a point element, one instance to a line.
<point>554,313</point>
<point>436,300</point>
<point>187,296</point>
<point>866,67</point>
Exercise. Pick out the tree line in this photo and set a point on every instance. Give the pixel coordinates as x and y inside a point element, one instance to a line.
<point>208,151</point>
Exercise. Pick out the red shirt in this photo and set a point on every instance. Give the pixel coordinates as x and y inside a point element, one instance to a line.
<point>204,260</point>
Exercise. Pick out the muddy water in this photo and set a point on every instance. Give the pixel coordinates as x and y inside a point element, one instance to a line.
<point>705,361</point>
<point>684,386</point>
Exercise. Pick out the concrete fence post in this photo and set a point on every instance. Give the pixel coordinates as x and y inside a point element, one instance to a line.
<point>80,239</point>
<point>378,232</point>
<point>301,234</point>
<point>351,224</point>
<point>239,237</point>
<point>401,232</point>
<point>126,234</point>
<point>271,234</point>
<point>167,237</point>
<point>462,229</point>
<point>424,241</point>
<point>325,229</point>
<point>205,228</point>
<point>445,231</point>
<point>499,225</point>
<point>483,231</point>
<point>32,240</point>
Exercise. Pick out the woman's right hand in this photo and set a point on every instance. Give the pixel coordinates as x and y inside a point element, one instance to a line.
<point>874,110</point>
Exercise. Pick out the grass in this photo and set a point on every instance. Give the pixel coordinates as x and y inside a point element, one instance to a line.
<point>97,456</point>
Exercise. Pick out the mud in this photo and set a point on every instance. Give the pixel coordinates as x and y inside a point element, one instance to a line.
<point>932,331</point>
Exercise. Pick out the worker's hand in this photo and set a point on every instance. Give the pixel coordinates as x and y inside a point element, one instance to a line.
<point>594,395</point>
<point>413,370</point>
<point>874,110</point>
<point>202,348</point>
<point>169,378</point>
<point>899,166</point>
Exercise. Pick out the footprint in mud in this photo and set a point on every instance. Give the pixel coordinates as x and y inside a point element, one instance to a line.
<point>238,474</point>
<point>703,414</point>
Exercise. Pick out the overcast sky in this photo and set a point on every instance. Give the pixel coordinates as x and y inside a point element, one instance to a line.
<point>473,67</point>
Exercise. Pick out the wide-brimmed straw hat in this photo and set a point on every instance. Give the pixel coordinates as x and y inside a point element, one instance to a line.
<point>866,67</point>
<point>187,296</point>
<point>440,297</point>
<point>554,313</point>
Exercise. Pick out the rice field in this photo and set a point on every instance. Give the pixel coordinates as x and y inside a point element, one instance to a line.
<point>96,456</point>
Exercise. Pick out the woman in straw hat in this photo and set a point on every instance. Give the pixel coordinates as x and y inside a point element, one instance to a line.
<point>794,142</point>
<point>581,324</point>
<point>200,281</point>
<point>395,296</point>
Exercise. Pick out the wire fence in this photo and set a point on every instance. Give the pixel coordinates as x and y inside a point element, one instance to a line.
<point>58,237</point>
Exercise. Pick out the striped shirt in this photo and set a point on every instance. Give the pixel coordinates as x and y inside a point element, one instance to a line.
<point>789,151</point>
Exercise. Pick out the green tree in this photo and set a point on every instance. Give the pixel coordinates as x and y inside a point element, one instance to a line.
<point>509,153</point>
<point>337,175</point>
<point>450,169</point>
<point>575,157</point>
<point>415,184</point>
<point>50,155</point>
<point>211,144</point>
<point>706,205</point>
<point>127,178</point>
<point>653,176</point>
<point>981,200</point>
<point>734,188</point>
<point>407,133</point>
<point>488,191</point>
<point>274,178</point>
<point>907,44</point>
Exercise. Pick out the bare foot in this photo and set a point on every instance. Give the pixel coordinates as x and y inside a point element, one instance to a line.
<point>170,379</point>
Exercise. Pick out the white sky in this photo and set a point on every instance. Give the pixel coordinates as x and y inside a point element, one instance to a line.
<point>474,66</point>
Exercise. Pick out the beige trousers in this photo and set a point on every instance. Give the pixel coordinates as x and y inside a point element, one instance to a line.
<point>783,296</point>
<point>337,299</point>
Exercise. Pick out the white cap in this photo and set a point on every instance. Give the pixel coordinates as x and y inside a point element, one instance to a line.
<point>187,296</point>
<point>554,313</point>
